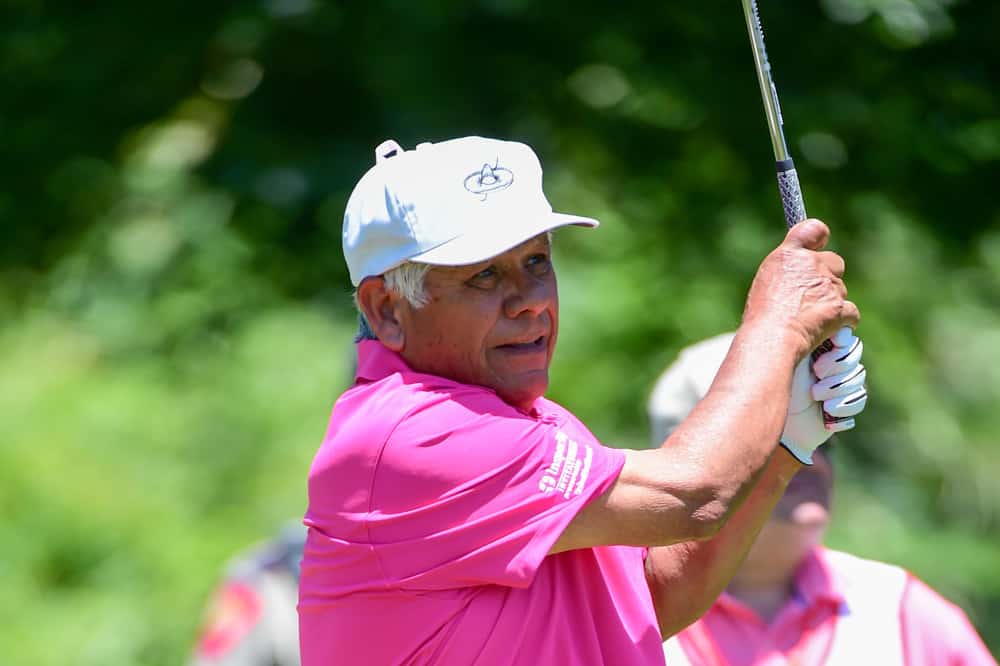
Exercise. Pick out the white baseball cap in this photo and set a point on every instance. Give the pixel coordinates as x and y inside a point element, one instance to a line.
<point>684,383</point>
<point>451,203</point>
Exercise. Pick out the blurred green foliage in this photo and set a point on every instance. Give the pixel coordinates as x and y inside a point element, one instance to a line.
<point>175,316</point>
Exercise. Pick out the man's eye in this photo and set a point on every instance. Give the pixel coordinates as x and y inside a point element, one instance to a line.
<point>485,273</point>
<point>484,277</point>
<point>539,262</point>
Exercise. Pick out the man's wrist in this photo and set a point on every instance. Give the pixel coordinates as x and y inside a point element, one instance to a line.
<point>804,458</point>
<point>777,337</point>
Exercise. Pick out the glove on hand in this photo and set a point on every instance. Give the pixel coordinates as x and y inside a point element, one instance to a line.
<point>819,408</point>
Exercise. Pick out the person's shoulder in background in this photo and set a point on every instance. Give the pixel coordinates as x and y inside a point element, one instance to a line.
<point>251,618</point>
<point>936,631</point>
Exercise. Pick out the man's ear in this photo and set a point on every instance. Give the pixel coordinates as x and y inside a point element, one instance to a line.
<point>381,308</point>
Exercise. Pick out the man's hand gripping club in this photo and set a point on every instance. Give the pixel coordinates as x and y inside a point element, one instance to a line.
<point>830,379</point>
<point>839,392</point>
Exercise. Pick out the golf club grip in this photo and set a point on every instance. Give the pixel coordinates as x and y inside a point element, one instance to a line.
<point>795,212</point>
<point>791,193</point>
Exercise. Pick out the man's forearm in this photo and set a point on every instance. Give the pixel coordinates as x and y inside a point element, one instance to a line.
<point>724,444</point>
<point>685,578</point>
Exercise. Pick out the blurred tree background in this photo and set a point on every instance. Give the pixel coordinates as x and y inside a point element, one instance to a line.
<point>175,315</point>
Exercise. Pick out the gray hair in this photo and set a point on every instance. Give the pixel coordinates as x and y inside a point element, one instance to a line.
<point>406,280</point>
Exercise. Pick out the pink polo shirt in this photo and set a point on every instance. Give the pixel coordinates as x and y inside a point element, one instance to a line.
<point>916,626</point>
<point>432,507</point>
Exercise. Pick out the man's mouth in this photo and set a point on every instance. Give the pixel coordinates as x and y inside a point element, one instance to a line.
<point>535,344</point>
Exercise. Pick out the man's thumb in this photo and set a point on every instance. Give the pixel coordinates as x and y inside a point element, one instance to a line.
<point>810,234</point>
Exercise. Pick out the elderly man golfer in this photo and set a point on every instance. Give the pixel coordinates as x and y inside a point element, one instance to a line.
<point>456,516</point>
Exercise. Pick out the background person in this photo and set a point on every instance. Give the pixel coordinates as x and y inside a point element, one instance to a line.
<point>793,601</point>
<point>251,619</point>
<point>449,490</point>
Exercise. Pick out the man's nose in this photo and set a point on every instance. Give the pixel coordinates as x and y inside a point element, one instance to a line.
<point>529,294</point>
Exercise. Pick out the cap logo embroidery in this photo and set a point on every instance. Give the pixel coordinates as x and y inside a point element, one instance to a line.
<point>489,179</point>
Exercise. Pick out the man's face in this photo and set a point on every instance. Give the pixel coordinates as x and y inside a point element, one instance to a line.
<point>493,324</point>
<point>799,520</point>
<point>807,498</point>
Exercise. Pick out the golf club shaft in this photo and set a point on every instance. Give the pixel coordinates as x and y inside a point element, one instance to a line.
<point>788,180</point>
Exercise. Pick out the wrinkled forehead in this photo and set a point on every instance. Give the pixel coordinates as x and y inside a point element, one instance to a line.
<point>541,242</point>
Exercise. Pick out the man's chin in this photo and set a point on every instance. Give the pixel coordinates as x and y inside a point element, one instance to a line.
<point>524,393</point>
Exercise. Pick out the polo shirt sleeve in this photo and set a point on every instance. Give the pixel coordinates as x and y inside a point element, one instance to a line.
<point>468,491</point>
<point>936,631</point>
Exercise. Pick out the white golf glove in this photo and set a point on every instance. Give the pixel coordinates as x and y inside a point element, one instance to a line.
<point>828,390</point>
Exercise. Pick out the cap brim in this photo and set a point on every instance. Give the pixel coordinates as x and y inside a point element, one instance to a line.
<point>494,239</point>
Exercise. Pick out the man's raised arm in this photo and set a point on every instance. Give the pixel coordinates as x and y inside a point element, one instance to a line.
<point>700,499</point>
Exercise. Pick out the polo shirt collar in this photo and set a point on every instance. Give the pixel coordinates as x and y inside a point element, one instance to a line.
<point>376,361</point>
<point>816,581</point>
